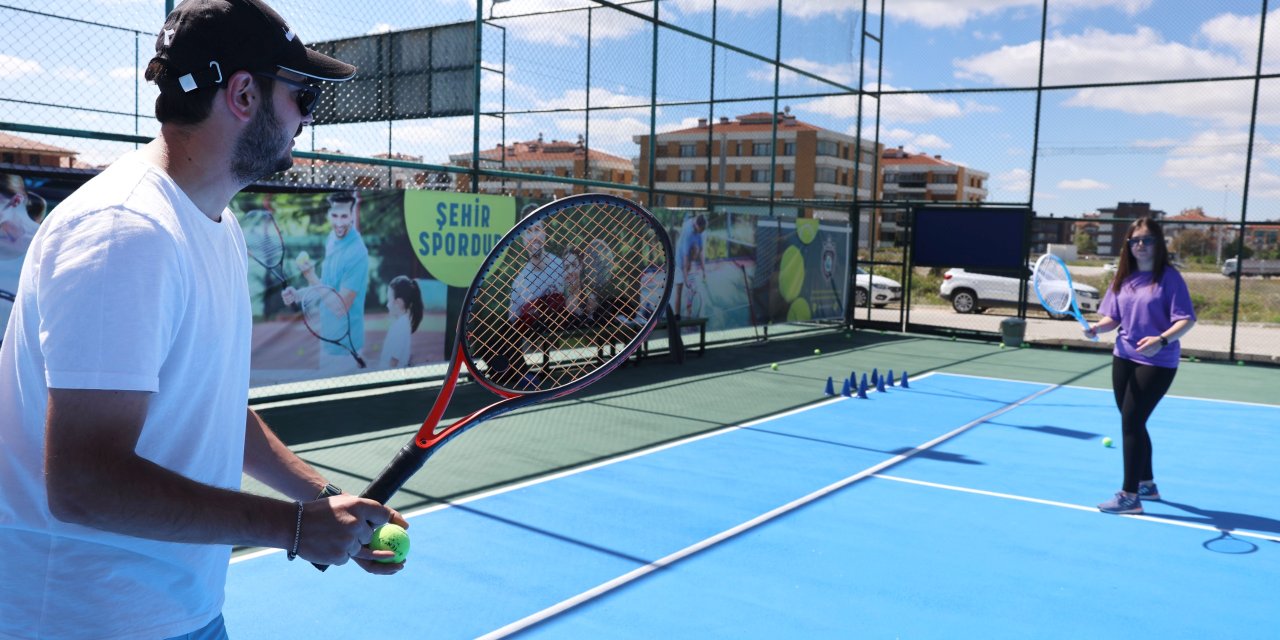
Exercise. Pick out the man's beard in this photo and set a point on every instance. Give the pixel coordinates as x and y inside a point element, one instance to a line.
<point>261,151</point>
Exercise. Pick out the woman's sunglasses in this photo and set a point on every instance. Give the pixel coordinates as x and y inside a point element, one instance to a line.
<point>306,96</point>
<point>1146,241</point>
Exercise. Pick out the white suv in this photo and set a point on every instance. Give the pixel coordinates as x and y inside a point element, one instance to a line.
<point>976,290</point>
<point>881,289</point>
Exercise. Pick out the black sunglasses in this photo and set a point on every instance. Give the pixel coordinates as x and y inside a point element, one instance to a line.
<point>1145,241</point>
<point>306,96</point>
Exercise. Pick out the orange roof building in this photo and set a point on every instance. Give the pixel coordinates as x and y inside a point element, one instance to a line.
<point>732,157</point>
<point>539,157</point>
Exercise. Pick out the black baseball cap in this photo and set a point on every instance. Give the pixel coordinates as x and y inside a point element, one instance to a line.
<point>205,41</point>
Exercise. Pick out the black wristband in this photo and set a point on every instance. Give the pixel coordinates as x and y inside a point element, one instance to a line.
<point>1164,342</point>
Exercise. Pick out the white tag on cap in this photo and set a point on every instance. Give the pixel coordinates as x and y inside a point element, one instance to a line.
<point>187,83</point>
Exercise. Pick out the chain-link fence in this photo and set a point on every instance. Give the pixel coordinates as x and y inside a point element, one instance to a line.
<point>1087,113</point>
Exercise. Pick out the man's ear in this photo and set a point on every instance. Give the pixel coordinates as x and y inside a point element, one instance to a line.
<point>244,95</point>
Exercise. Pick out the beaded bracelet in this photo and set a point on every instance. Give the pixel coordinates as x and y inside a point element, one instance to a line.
<point>297,533</point>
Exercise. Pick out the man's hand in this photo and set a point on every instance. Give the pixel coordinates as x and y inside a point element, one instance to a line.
<point>338,528</point>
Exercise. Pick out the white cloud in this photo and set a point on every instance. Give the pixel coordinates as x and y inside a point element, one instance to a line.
<point>898,108</point>
<point>1098,56</point>
<point>804,9</point>
<point>569,29</point>
<point>600,97</point>
<point>1016,182</point>
<point>1082,184</point>
<point>936,14</point>
<point>842,73</point>
<point>11,67</point>
<point>124,73</point>
<point>381,27</point>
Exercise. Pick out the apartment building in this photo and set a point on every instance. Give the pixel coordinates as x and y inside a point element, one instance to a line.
<point>920,177</point>
<point>539,157</point>
<point>737,157</point>
<point>1111,235</point>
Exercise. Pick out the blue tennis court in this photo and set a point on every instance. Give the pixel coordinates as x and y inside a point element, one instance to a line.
<point>960,507</point>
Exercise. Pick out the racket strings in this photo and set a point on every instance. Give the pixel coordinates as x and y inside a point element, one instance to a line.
<point>324,312</point>
<point>263,240</point>
<point>1052,282</point>
<point>564,297</point>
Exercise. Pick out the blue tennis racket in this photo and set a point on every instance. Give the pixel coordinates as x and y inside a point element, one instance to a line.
<point>1055,289</point>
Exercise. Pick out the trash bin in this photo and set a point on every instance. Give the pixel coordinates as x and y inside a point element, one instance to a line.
<point>1012,330</point>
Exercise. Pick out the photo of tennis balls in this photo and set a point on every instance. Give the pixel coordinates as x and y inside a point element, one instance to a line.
<point>391,537</point>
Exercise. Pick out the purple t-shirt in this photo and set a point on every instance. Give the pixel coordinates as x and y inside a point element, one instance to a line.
<point>1143,310</point>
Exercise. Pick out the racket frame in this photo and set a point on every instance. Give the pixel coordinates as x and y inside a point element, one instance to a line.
<point>427,440</point>
<point>1074,308</point>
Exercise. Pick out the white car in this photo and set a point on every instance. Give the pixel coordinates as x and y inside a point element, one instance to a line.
<point>976,290</point>
<point>881,289</point>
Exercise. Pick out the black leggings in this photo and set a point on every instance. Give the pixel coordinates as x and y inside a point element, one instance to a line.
<point>1138,389</point>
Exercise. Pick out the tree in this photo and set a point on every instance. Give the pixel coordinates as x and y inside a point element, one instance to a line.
<point>1193,243</point>
<point>1086,244</point>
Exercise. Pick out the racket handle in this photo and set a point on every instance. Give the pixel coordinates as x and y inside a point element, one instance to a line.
<point>402,467</point>
<point>394,475</point>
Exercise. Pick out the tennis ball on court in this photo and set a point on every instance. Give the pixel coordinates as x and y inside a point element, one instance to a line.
<point>774,366</point>
<point>1001,345</point>
<point>817,352</point>
<point>1106,442</point>
<point>1064,347</point>
<point>391,537</point>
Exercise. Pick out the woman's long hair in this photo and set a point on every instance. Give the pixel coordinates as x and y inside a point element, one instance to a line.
<point>1128,264</point>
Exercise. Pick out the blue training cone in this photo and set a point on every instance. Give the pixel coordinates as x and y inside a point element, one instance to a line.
<point>890,380</point>
<point>905,385</point>
<point>875,375</point>
<point>862,389</point>
<point>848,388</point>
<point>880,385</point>
<point>831,391</point>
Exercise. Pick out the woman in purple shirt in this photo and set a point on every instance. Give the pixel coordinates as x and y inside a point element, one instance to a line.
<point>1149,303</point>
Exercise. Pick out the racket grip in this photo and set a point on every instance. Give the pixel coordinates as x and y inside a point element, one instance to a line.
<point>402,467</point>
<point>406,463</point>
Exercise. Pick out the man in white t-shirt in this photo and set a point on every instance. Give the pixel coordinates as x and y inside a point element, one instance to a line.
<point>124,373</point>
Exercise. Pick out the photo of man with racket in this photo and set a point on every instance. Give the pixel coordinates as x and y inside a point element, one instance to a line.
<point>345,269</point>
<point>689,252</point>
<point>124,387</point>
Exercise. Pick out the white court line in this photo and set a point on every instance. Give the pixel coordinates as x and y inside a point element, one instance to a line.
<point>1101,389</point>
<point>1078,507</point>
<point>639,572</point>
<point>603,463</point>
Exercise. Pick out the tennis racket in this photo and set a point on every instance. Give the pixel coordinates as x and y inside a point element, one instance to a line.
<point>263,239</point>
<point>324,313</point>
<point>327,317</point>
<point>1054,288</point>
<point>518,343</point>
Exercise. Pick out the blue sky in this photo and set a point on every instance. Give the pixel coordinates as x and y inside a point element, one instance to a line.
<point>1175,146</point>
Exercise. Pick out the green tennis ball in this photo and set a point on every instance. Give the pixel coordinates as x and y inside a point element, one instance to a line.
<point>391,537</point>
<point>1106,442</point>
<point>1001,345</point>
<point>774,366</point>
<point>1064,347</point>
<point>817,352</point>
